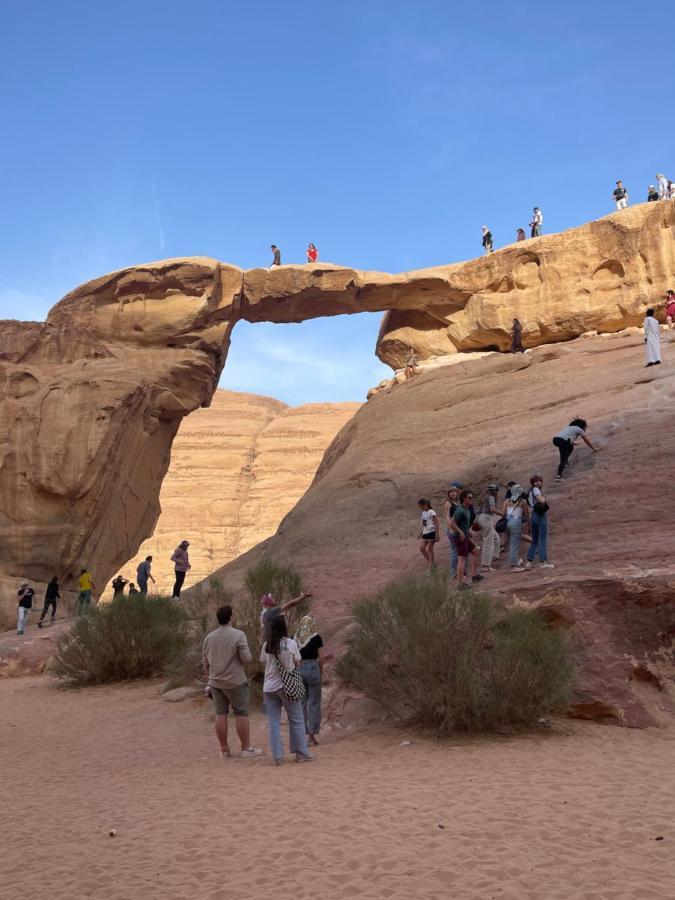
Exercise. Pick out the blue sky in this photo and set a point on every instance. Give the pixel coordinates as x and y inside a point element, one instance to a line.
<point>385,132</point>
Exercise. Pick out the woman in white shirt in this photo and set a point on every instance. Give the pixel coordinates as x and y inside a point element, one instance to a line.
<point>428,533</point>
<point>517,518</point>
<point>279,646</point>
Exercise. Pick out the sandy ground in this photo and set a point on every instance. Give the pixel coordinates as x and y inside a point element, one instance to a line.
<point>572,813</point>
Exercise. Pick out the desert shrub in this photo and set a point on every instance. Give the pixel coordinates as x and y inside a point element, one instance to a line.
<point>446,661</point>
<point>124,639</point>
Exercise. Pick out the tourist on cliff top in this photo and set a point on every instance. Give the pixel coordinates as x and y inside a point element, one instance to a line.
<point>671,190</point>
<point>517,520</point>
<point>181,565</point>
<point>428,533</point>
<point>270,609</point>
<point>460,525</point>
<point>520,234</point>
<point>486,521</point>
<point>652,339</point>
<point>309,644</point>
<point>276,255</point>
<point>85,584</point>
<point>312,253</point>
<point>281,652</point>
<point>662,182</point>
<point>450,504</point>
<point>652,194</point>
<point>51,596</point>
<point>620,195</point>
<point>225,652</point>
<point>487,239</point>
<point>411,364</point>
<point>118,586</point>
<point>24,596</point>
<point>133,589</point>
<point>538,524</point>
<point>537,222</point>
<point>517,337</point>
<point>143,572</point>
<point>566,439</point>
<point>670,308</point>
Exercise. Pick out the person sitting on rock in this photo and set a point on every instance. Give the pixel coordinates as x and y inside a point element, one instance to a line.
<point>118,586</point>
<point>487,239</point>
<point>520,235</point>
<point>276,255</point>
<point>652,194</point>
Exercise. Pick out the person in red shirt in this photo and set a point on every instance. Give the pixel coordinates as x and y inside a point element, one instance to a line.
<point>312,254</point>
<point>670,308</point>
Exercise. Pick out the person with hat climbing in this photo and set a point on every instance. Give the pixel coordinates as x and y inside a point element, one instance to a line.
<point>182,566</point>
<point>538,524</point>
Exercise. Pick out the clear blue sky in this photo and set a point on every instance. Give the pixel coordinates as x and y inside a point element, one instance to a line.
<point>385,132</point>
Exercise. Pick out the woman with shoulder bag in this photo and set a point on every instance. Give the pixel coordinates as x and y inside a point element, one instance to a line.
<point>281,656</point>
<point>539,524</point>
<point>517,519</point>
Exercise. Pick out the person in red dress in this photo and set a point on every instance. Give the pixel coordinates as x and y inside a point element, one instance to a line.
<point>312,253</point>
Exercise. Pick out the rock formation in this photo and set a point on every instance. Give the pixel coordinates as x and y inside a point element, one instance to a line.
<point>493,418</point>
<point>92,398</point>
<point>236,469</point>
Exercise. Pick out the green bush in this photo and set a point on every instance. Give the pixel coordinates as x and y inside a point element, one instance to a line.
<point>130,637</point>
<point>446,661</point>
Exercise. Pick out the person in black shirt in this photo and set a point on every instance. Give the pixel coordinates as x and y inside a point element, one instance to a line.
<point>118,586</point>
<point>24,596</point>
<point>652,194</point>
<point>311,671</point>
<point>51,596</point>
<point>620,195</point>
<point>487,239</point>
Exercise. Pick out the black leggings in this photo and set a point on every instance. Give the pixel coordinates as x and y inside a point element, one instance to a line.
<point>565,448</point>
<point>45,608</point>
<point>180,578</point>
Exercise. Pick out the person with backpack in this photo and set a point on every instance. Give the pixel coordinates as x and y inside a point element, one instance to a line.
<point>538,524</point>
<point>181,562</point>
<point>520,235</point>
<point>620,195</point>
<point>517,514</point>
<point>428,533</point>
<point>487,239</point>
<point>565,441</point>
<point>51,596</point>
<point>281,657</point>
<point>24,596</point>
<point>537,222</point>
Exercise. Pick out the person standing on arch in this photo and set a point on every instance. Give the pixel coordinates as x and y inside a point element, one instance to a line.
<point>662,183</point>
<point>181,566</point>
<point>537,222</point>
<point>652,339</point>
<point>620,195</point>
<point>276,255</point>
<point>487,239</point>
<point>312,253</point>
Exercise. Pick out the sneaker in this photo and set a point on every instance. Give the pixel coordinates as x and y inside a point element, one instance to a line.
<point>546,565</point>
<point>528,566</point>
<point>488,569</point>
<point>251,753</point>
<point>518,569</point>
<point>303,757</point>
<point>278,762</point>
<point>559,478</point>
<point>39,624</point>
<point>475,578</point>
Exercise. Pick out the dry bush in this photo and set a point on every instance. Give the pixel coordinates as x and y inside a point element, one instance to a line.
<point>130,637</point>
<point>447,661</point>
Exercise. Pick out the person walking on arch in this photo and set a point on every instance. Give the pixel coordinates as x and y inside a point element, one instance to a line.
<point>312,253</point>
<point>51,596</point>
<point>487,239</point>
<point>276,255</point>
<point>662,183</point>
<point>652,332</point>
<point>225,652</point>
<point>620,195</point>
<point>537,222</point>
<point>565,441</point>
<point>143,573</point>
<point>181,566</point>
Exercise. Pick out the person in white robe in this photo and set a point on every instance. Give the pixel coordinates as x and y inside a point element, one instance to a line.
<point>652,339</point>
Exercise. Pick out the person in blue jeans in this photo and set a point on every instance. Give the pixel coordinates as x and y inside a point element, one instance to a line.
<point>517,515</point>
<point>309,644</point>
<point>449,506</point>
<point>538,524</point>
<point>279,646</point>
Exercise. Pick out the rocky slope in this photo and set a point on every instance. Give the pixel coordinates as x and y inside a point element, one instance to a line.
<point>493,418</point>
<point>236,469</point>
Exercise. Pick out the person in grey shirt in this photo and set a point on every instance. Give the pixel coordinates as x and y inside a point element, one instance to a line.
<point>224,655</point>
<point>143,573</point>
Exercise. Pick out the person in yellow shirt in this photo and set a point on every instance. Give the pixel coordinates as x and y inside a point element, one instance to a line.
<point>86,585</point>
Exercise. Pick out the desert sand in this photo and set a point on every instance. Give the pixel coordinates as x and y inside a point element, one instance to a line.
<point>573,812</point>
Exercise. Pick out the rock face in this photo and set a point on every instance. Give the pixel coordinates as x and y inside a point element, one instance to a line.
<point>92,399</point>
<point>236,469</point>
<point>613,587</point>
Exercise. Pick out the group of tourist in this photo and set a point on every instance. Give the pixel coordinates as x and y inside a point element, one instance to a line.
<point>534,226</point>
<point>312,254</point>
<point>292,680</point>
<point>522,515</point>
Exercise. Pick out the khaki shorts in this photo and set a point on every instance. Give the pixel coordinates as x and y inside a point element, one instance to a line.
<point>236,697</point>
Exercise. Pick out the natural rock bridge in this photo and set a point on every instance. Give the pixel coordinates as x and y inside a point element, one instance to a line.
<point>93,397</point>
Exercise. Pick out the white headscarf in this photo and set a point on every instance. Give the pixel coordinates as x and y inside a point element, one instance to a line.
<point>306,631</point>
